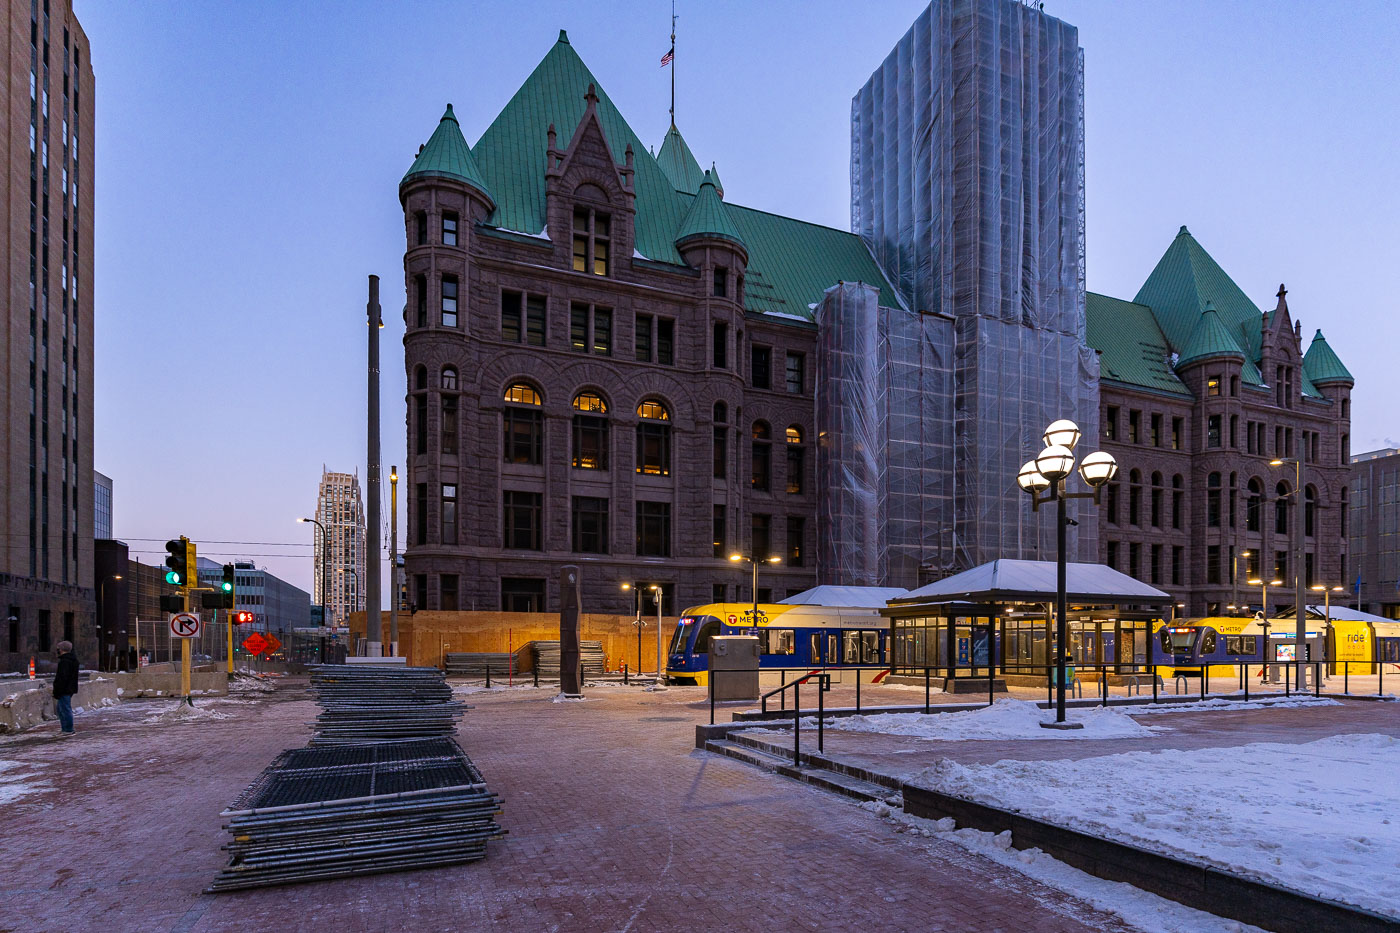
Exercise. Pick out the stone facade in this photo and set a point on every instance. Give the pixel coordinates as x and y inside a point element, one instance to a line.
<point>462,364</point>
<point>46,336</point>
<point>1182,512</point>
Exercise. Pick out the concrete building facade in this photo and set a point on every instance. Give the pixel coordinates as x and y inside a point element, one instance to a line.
<point>46,333</point>
<point>339,559</point>
<point>277,606</point>
<point>1374,529</point>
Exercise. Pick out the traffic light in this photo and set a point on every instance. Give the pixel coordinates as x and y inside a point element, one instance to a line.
<point>178,562</point>
<point>228,578</point>
<point>242,618</point>
<point>172,604</point>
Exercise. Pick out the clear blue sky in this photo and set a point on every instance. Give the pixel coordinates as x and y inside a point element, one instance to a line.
<point>248,156</point>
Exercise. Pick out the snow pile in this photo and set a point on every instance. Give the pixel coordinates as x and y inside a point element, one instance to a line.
<point>1138,908</point>
<point>13,785</point>
<point>249,683</point>
<point>1319,817</point>
<point>463,690</point>
<point>1007,719</point>
<point>1205,706</point>
<point>183,712</point>
<point>564,698</point>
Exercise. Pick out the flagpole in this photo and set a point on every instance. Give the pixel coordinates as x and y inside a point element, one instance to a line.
<point>673,62</point>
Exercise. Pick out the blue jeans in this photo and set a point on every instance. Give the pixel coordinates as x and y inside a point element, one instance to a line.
<point>65,713</point>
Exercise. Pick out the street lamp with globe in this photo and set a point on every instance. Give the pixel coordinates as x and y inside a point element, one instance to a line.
<point>1049,470</point>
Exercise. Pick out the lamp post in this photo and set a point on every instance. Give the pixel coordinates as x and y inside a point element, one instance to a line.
<point>753,589</point>
<point>394,562</point>
<point>1327,592</point>
<point>1264,608</point>
<point>637,592</point>
<point>660,670</point>
<point>325,565</point>
<point>1235,576</point>
<point>1299,615</point>
<point>1049,470</point>
<point>102,609</point>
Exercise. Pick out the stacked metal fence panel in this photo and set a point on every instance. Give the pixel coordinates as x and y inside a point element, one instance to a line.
<point>402,796</point>
<point>374,703</point>
<point>477,663</point>
<point>547,658</point>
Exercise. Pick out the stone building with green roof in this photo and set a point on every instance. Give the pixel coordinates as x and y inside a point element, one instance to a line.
<point>611,363</point>
<point>1199,391</point>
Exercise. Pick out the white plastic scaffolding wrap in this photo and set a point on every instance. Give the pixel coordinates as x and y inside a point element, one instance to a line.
<point>967,157</point>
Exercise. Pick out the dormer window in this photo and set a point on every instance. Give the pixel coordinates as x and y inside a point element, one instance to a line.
<point>592,231</point>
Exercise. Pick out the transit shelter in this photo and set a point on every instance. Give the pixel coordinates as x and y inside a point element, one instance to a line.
<point>1001,616</point>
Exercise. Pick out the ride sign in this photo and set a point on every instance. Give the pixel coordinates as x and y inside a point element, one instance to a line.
<point>184,625</point>
<point>255,644</point>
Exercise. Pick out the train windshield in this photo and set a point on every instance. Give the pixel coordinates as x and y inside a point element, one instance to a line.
<point>1178,640</point>
<point>709,628</point>
<point>683,630</point>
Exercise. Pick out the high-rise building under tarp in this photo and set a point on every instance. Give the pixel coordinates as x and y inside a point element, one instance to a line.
<point>967,183</point>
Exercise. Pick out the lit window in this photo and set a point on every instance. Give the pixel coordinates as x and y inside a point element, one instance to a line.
<point>522,394</point>
<point>592,230</point>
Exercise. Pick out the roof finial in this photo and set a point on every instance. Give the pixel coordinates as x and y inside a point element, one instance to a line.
<point>1281,291</point>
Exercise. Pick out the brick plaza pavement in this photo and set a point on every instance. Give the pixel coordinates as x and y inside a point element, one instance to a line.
<point>615,821</point>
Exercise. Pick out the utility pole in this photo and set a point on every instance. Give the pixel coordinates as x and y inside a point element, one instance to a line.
<point>374,633</point>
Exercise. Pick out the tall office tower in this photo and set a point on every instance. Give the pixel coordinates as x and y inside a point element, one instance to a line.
<point>46,342</point>
<point>340,557</point>
<point>967,183</point>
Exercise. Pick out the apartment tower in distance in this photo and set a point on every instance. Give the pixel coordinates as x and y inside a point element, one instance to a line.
<point>340,557</point>
<point>46,335</point>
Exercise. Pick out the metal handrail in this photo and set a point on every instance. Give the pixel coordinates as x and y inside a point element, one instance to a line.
<point>763,700</point>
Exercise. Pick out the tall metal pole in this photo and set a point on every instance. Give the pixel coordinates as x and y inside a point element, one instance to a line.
<point>394,561</point>
<point>374,633</point>
<point>1061,600</point>
<point>1299,610</point>
<point>660,664</point>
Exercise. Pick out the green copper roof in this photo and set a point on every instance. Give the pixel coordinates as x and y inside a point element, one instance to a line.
<point>446,155</point>
<point>1131,346</point>
<point>707,216</point>
<point>677,161</point>
<point>1186,277</point>
<point>714,175</point>
<point>790,262</point>
<point>1321,365</point>
<point>1209,340</point>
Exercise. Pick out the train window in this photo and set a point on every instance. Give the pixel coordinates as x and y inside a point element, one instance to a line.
<point>870,645</point>
<point>816,646</point>
<point>1166,639</point>
<point>832,657</point>
<point>707,631</point>
<point>682,636</point>
<point>1208,641</point>
<point>1239,644</point>
<point>850,648</point>
<point>777,641</point>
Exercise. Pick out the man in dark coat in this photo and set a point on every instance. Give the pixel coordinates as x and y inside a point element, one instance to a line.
<point>65,684</point>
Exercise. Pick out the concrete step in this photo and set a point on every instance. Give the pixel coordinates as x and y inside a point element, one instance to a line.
<point>817,760</point>
<point>752,756</point>
<point>812,773</point>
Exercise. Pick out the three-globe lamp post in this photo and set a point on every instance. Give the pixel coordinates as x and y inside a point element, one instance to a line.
<point>1049,470</point>
<point>755,561</point>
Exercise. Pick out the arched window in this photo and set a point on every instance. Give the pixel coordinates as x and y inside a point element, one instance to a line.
<point>1309,511</point>
<point>524,424</point>
<point>762,457</point>
<point>1254,505</point>
<point>1281,509</point>
<point>449,378</point>
<point>796,461</point>
<point>590,434</point>
<point>1213,501</point>
<point>1155,513</point>
<point>1178,500</point>
<point>420,377</point>
<point>653,438</point>
<point>1134,497</point>
<point>721,413</point>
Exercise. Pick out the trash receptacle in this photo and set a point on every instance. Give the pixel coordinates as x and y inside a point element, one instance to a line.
<point>734,667</point>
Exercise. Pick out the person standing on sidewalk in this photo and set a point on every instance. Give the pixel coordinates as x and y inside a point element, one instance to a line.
<point>65,684</point>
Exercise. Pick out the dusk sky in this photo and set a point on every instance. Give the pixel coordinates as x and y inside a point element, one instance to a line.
<point>248,158</point>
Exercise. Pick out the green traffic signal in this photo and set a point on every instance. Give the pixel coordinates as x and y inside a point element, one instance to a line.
<point>172,578</point>
<point>228,578</point>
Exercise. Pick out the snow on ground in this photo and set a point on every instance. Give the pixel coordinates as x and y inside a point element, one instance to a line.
<point>463,690</point>
<point>1136,907</point>
<point>183,712</point>
<point>1205,706</point>
<point>14,785</point>
<point>1007,719</point>
<point>1321,817</point>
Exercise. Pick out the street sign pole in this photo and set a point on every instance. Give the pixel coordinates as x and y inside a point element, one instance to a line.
<point>185,658</point>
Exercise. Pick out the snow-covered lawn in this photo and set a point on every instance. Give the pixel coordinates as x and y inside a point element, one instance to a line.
<point>1321,817</point>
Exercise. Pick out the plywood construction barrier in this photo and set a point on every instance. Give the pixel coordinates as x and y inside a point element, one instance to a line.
<point>426,636</point>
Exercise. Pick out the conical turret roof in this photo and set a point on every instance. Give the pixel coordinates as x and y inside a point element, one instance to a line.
<point>447,155</point>
<point>1321,365</point>
<point>707,216</point>
<point>678,162</point>
<point>1209,339</point>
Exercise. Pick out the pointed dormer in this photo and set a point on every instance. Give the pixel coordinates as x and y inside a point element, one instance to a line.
<point>1209,340</point>
<point>707,219</point>
<point>446,156</point>
<point>678,163</point>
<point>714,176</point>
<point>1322,365</point>
<point>590,198</point>
<point>1281,353</point>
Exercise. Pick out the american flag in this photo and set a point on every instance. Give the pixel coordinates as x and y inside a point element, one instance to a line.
<point>666,59</point>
